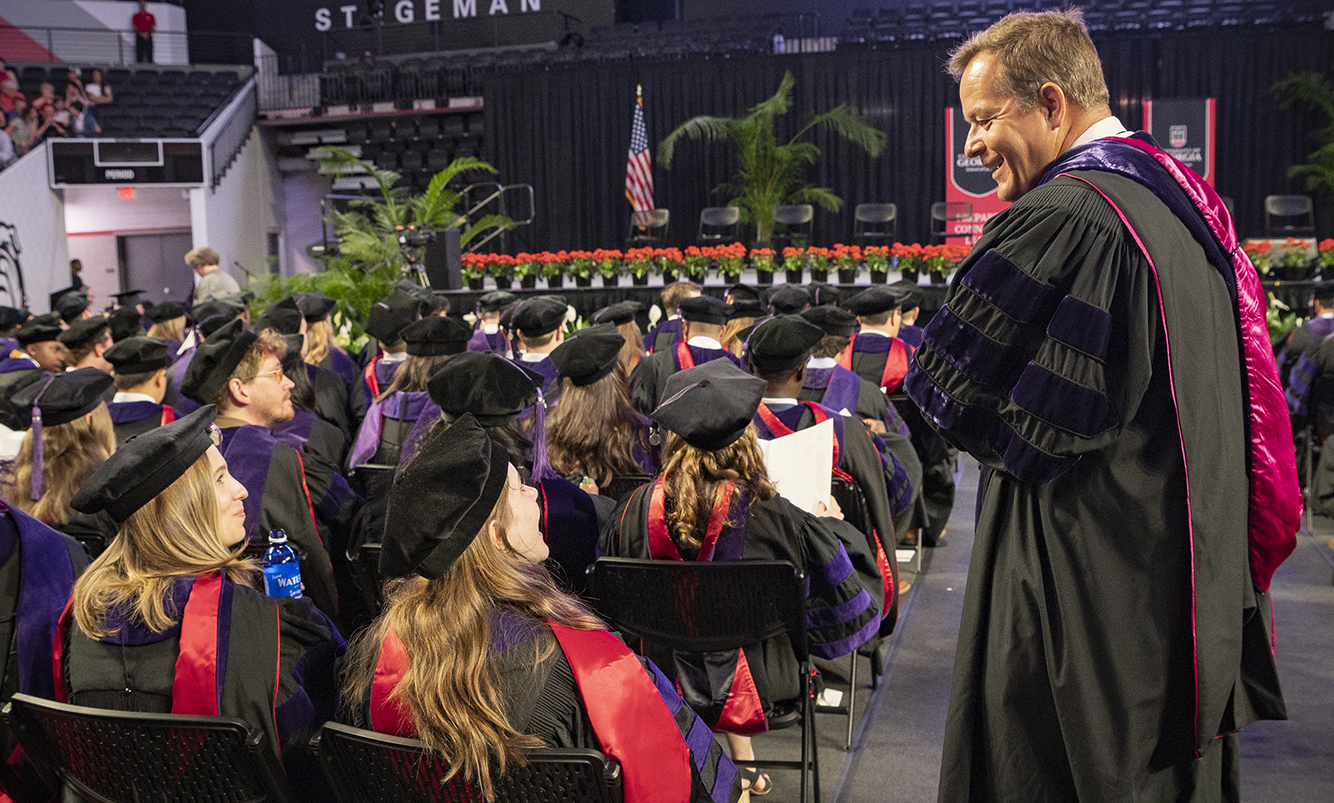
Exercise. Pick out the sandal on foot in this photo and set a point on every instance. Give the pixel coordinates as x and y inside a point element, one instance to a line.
<point>749,782</point>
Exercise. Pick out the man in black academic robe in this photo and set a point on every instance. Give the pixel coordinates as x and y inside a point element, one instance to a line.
<point>253,402</point>
<point>1102,353</point>
<point>702,322</point>
<point>140,365</point>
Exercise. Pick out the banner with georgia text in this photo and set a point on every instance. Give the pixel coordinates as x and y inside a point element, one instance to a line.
<point>1184,127</point>
<point>967,181</point>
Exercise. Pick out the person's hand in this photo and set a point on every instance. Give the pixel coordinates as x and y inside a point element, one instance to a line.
<point>588,486</point>
<point>829,509</point>
<point>875,425</point>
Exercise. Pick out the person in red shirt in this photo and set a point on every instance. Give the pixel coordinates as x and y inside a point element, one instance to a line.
<point>144,23</point>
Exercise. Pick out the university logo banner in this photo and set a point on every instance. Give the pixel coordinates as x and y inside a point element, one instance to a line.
<point>967,181</point>
<point>1184,127</point>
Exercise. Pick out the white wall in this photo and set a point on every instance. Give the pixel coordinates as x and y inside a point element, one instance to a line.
<point>36,214</point>
<point>236,218</point>
<point>95,216</point>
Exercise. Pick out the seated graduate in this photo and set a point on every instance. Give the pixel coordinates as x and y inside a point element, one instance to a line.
<point>39,340</point>
<point>910,304</point>
<point>86,342</point>
<point>328,390</point>
<point>168,319</point>
<point>538,322</point>
<point>429,342</point>
<point>388,318</point>
<point>622,315</point>
<point>778,351</point>
<point>241,374</point>
<point>142,631</point>
<point>713,501</point>
<point>789,299</point>
<point>595,433</point>
<point>209,317</point>
<point>38,567</point>
<point>71,435</point>
<point>876,353</point>
<point>322,347</point>
<point>10,321</point>
<point>837,387</point>
<point>703,319</point>
<point>497,393</point>
<point>667,332</point>
<point>71,305</point>
<point>488,336</point>
<point>528,666</point>
<point>140,365</point>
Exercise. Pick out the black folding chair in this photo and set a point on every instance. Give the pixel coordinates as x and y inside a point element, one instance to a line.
<point>943,213</point>
<point>119,757</point>
<point>715,606</point>
<point>797,222</point>
<point>367,767</point>
<point>648,228</point>
<point>874,224</point>
<point>718,224</point>
<point>368,575</point>
<point>1289,216</point>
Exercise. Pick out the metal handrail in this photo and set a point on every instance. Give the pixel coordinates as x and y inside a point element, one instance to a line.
<point>95,45</point>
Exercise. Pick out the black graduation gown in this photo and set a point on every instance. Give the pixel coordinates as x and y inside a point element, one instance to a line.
<point>1110,627</point>
<point>331,403</point>
<point>263,640</point>
<point>137,417</point>
<point>649,379</point>
<point>273,475</point>
<point>843,597</point>
<point>884,484</point>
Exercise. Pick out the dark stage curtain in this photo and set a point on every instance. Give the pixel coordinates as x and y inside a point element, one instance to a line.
<point>565,129</point>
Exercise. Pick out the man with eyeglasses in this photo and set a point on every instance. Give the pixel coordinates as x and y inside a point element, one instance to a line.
<point>241,372</point>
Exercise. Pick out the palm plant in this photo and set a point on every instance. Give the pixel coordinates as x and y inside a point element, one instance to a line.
<point>370,258</point>
<point>1315,91</point>
<point>770,174</point>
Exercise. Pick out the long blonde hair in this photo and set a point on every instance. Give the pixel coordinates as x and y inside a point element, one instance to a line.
<point>632,351</point>
<point>171,329</point>
<point>413,374</point>
<point>693,476</point>
<point>729,337</point>
<point>451,687</point>
<point>319,339</point>
<point>175,534</point>
<point>70,453</point>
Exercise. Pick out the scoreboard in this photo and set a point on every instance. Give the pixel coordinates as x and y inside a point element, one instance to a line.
<point>125,163</point>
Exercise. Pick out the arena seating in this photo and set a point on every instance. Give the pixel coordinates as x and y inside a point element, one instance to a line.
<point>149,102</point>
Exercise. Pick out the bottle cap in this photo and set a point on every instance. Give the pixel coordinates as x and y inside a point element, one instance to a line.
<point>277,536</point>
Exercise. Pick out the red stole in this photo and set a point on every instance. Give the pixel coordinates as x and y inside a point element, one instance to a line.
<point>168,414</point>
<point>779,429</point>
<point>371,381</point>
<point>661,546</point>
<point>629,716</point>
<point>684,359</point>
<point>896,363</point>
<point>195,689</point>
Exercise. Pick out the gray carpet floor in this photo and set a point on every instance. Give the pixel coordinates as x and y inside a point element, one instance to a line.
<point>899,726</point>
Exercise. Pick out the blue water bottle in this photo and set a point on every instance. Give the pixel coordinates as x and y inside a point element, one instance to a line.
<point>282,573</point>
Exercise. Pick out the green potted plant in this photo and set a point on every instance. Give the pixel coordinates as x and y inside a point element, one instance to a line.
<point>608,263</point>
<point>877,262</point>
<point>1293,259</point>
<point>581,268</point>
<point>847,258</point>
<point>473,270</point>
<point>908,260</point>
<point>731,261</point>
<point>794,262</point>
<point>669,262</point>
<point>553,268</point>
<point>763,260</point>
<point>501,269</point>
<point>639,264</point>
<point>526,270</point>
<point>697,261</point>
<point>1325,258</point>
<point>819,261</point>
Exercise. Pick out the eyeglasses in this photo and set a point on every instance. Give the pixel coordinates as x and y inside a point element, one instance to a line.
<point>268,373</point>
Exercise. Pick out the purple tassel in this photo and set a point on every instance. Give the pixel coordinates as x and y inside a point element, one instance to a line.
<point>541,469</point>
<point>38,447</point>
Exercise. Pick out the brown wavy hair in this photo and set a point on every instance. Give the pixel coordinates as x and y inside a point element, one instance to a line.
<point>595,429</point>
<point>413,374</point>
<point>451,687</point>
<point>693,477</point>
<point>830,346</point>
<point>70,453</point>
<point>632,351</point>
<point>176,534</point>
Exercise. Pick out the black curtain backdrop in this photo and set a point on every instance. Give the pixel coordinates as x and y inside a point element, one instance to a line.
<point>565,129</point>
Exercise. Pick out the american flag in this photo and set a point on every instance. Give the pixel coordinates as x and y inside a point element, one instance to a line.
<point>639,167</point>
